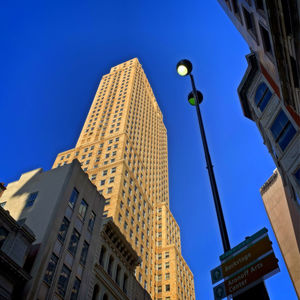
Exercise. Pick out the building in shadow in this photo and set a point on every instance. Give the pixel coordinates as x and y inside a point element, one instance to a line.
<point>64,210</point>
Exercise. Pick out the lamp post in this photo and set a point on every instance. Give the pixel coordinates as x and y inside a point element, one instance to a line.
<point>184,68</point>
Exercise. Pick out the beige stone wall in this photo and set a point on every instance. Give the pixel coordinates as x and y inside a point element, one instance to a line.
<point>284,215</point>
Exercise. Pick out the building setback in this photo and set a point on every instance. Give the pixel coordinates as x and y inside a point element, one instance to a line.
<point>64,210</point>
<point>269,95</point>
<point>284,216</point>
<point>123,149</point>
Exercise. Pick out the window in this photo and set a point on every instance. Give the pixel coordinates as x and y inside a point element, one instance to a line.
<point>2,204</point>
<point>167,265</point>
<point>74,242</point>
<point>250,24</point>
<point>110,265</point>
<point>118,275</point>
<point>92,221</point>
<point>63,280</point>
<point>105,213</point>
<point>167,287</point>
<point>48,277</point>
<point>102,256</point>
<point>3,235</point>
<point>113,170</point>
<point>282,130</point>
<point>102,182</point>
<point>84,253</point>
<point>73,197</point>
<point>167,276</point>
<point>125,281</point>
<point>159,289</point>
<point>93,177</point>
<point>63,229</point>
<point>83,208</point>
<point>75,289</point>
<point>297,176</point>
<point>109,190</point>
<point>104,172</point>
<point>167,255</point>
<point>266,39</point>
<point>31,198</point>
<point>259,5</point>
<point>262,96</point>
<point>111,179</point>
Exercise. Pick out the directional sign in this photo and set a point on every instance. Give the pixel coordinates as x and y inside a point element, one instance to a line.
<point>257,271</point>
<point>241,259</point>
<point>246,257</point>
<point>244,244</point>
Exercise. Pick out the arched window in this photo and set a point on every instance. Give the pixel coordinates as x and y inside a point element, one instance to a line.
<point>118,275</point>
<point>105,297</point>
<point>125,281</point>
<point>95,292</point>
<point>110,265</point>
<point>262,96</point>
<point>102,256</point>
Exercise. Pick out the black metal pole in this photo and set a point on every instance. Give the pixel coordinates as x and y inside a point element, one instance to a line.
<point>220,216</point>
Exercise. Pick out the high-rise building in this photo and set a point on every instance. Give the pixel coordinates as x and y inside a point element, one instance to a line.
<point>123,149</point>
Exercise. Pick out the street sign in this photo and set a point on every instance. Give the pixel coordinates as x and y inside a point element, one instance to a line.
<point>243,244</point>
<point>246,257</point>
<point>257,271</point>
<point>240,259</point>
<point>245,265</point>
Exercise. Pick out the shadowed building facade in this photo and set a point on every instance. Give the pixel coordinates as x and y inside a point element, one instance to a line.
<point>270,96</point>
<point>123,149</point>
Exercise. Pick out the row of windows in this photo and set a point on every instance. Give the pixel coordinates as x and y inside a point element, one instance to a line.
<point>281,129</point>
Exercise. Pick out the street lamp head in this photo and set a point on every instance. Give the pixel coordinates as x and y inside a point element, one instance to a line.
<point>184,67</point>
<point>192,99</point>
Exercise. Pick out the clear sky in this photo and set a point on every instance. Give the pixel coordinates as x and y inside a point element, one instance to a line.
<point>53,54</point>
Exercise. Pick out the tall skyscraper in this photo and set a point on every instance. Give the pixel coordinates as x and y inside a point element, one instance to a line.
<point>123,149</point>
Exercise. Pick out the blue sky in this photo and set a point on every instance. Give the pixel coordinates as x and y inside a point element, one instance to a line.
<point>53,55</point>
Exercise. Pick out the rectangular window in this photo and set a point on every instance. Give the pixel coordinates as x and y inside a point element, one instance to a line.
<point>167,287</point>
<point>31,198</point>
<point>74,242</point>
<point>3,235</point>
<point>266,40</point>
<point>282,130</point>
<point>250,24</point>
<point>48,277</point>
<point>91,221</point>
<point>84,253</point>
<point>297,176</point>
<point>83,208</point>
<point>75,289</point>
<point>73,197</point>
<point>109,190</point>
<point>63,280</point>
<point>63,229</point>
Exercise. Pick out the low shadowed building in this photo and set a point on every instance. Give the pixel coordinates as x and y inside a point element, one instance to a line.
<point>64,210</point>
<point>15,242</point>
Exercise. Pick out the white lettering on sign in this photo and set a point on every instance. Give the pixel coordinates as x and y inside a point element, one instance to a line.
<point>238,286</point>
<point>237,262</point>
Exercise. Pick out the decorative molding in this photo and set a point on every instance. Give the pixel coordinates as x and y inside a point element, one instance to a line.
<point>269,183</point>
